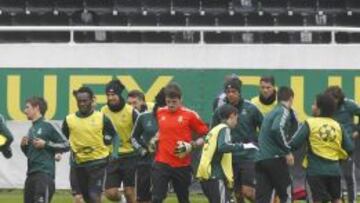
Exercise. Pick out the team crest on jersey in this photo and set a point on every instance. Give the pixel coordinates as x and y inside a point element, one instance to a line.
<point>39,131</point>
<point>243,112</point>
<point>149,124</point>
<point>180,119</point>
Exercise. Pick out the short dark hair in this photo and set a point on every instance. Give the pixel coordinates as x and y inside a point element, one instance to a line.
<point>285,93</point>
<point>138,94</point>
<point>39,102</point>
<point>84,89</point>
<point>173,91</point>
<point>337,93</point>
<point>226,110</point>
<point>326,103</point>
<point>268,79</point>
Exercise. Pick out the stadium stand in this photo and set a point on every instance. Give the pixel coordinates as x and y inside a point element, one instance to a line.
<point>180,13</point>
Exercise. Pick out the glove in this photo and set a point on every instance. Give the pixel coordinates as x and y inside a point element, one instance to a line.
<point>182,149</point>
<point>143,152</point>
<point>153,144</point>
<point>250,146</point>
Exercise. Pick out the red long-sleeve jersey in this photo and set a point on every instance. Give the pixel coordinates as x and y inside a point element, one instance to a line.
<point>173,127</point>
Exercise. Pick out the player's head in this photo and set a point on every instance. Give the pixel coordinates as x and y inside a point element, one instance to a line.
<point>285,95</point>
<point>85,99</point>
<point>228,115</point>
<point>324,105</point>
<point>337,93</point>
<point>113,92</point>
<point>232,89</point>
<point>35,107</point>
<point>267,87</point>
<point>159,100</point>
<point>173,96</point>
<point>136,99</point>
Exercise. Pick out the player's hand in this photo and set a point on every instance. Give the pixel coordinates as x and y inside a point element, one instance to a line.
<point>182,149</point>
<point>143,152</point>
<point>58,157</point>
<point>290,159</point>
<point>250,146</point>
<point>153,144</point>
<point>38,143</point>
<point>24,141</point>
<point>355,135</point>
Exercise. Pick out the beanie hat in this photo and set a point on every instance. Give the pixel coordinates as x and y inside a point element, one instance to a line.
<point>233,83</point>
<point>115,86</point>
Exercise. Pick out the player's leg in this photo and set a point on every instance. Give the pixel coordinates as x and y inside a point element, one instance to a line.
<point>113,181</point>
<point>280,177</point>
<point>143,183</point>
<point>348,170</point>
<point>247,174</point>
<point>237,183</point>
<point>75,189</point>
<point>160,176</point>
<point>215,190</point>
<point>96,182</point>
<point>83,181</point>
<point>318,188</point>
<point>264,187</point>
<point>334,188</point>
<point>181,179</point>
<point>44,188</point>
<point>129,170</point>
<point>28,189</point>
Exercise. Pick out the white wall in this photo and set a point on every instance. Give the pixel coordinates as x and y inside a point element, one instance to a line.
<point>179,56</point>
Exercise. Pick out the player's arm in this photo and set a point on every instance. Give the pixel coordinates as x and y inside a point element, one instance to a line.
<point>5,132</point>
<point>278,129</point>
<point>258,117</point>
<point>135,114</point>
<point>57,142</point>
<point>300,137</point>
<point>347,143</point>
<point>200,127</point>
<point>294,123</point>
<point>136,138</point>
<point>224,142</point>
<point>110,135</point>
<point>65,129</point>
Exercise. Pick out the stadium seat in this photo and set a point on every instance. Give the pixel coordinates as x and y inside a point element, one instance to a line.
<point>347,20</point>
<point>12,6</point>
<point>186,6</point>
<point>345,37</point>
<point>100,6</point>
<point>157,6</point>
<point>125,7</point>
<point>108,19</point>
<point>186,37</point>
<point>353,6</point>
<point>5,19</point>
<point>231,20</point>
<point>69,6</point>
<point>177,19</point>
<point>307,7</point>
<point>274,6</point>
<point>332,6</point>
<point>143,20</point>
<point>290,20</point>
<point>218,37</point>
<point>215,7</point>
<point>201,20</point>
<point>84,18</point>
<point>254,19</point>
<point>275,38</point>
<point>40,6</point>
<point>126,37</point>
<point>27,19</point>
<point>244,6</point>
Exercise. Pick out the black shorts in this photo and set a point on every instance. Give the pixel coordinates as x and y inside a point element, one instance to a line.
<point>216,191</point>
<point>39,187</point>
<point>74,183</point>
<point>325,188</point>
<point>143,182</point>
<point>121,171</point>
<point>91,180</point>
<point>244,173</point>
<point>180,178</point>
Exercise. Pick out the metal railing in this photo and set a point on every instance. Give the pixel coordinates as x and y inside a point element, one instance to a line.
<point>201,29</point>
